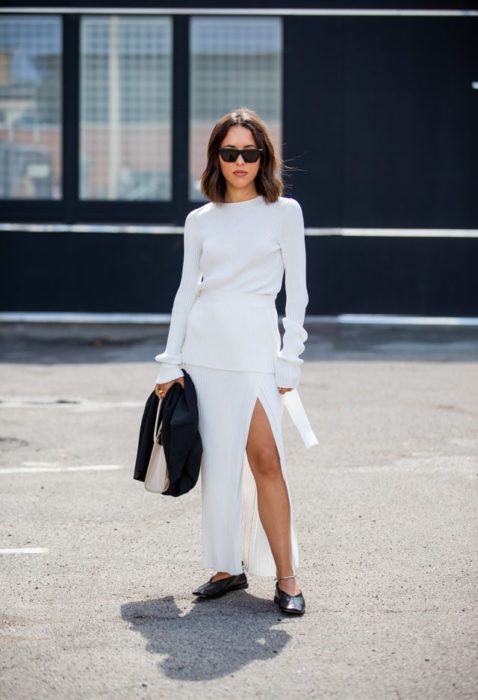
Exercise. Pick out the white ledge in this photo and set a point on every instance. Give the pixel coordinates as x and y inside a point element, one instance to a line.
<point>178,230</point>
<point>153,319</point>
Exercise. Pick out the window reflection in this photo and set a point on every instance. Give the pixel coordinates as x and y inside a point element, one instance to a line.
<point>126,108</point>
<point>234,62</point>
<point>30,107</point>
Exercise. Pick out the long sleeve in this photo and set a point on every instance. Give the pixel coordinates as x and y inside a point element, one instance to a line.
<point>288,363</point>
<point>171,358</point>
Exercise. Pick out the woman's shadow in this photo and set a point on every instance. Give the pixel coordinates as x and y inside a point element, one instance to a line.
<point>215,638</point>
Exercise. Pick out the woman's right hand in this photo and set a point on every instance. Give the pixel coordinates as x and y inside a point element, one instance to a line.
<point>165,387</point>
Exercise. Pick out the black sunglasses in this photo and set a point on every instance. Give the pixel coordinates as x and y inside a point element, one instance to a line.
<point>249,155</point>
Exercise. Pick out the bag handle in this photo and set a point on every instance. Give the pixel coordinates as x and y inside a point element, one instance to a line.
<point>157,429</point>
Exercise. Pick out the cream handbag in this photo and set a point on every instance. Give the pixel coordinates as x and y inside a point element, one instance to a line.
<point>157,475</point>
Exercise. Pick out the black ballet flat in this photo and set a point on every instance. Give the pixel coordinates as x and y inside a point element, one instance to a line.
<point>292,604</point>
<point>214,589</point>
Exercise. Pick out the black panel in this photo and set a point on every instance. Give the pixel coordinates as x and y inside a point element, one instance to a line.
<point>180,118</point>
<point>381,116</point>
<point>140,273</point>
<point>89,272</point>
<point>411,276</point>
<point>71,111</point>
<point>352,4</point>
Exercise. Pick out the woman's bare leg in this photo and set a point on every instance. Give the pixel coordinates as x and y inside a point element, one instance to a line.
<point>272,496</point>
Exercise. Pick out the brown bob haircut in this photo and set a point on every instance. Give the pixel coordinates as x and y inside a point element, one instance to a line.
<point>268,180</point>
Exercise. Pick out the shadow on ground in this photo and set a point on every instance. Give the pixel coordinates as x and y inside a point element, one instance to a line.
<point>213,639</point>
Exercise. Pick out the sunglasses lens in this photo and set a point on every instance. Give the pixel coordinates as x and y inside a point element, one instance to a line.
<point>229,154</point>
<point>251,155</point>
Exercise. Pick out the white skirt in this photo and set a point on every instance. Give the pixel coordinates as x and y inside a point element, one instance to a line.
<point>233,537</point>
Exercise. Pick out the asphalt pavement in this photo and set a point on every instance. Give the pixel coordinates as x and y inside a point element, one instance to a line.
<point>97,574</point>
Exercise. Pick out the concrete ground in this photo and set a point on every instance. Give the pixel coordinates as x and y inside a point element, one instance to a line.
<point>97,574</point>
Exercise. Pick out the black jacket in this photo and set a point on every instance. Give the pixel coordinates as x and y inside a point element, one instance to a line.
<point>179,435</point>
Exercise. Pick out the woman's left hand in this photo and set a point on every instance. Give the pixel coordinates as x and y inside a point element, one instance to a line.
<point>284,389</point>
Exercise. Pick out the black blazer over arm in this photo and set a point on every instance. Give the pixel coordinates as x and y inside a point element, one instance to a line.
<point>178,417</point>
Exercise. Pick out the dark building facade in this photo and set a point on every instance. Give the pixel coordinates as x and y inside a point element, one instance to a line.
<point>104,118</point>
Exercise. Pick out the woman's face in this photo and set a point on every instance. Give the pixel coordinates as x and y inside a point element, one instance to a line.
<point>240,175</point>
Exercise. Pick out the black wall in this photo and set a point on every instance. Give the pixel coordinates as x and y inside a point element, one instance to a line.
<point>381,116</point>
<point>140,273</point>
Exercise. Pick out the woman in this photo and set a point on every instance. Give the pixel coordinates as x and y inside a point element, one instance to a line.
<point>224,332</point>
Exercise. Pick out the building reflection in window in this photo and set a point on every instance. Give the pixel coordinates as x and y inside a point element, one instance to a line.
<point>234,62</point>
<point>125,104</point>
<point>30,107</point>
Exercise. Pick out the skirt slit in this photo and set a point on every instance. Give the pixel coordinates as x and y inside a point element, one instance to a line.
<point>257,554</point>
<point>233,537</point>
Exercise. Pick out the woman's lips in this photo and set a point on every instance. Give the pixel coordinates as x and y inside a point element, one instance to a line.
<point>240,173</point>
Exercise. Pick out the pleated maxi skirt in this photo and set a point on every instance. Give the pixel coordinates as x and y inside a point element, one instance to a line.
<point>233,537</point>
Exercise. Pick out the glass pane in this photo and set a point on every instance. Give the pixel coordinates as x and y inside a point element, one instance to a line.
<point>125,104</point>
<point>30,107</point>
<point>234,62</point>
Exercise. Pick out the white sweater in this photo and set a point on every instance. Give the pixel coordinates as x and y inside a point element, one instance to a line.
<point>224,313</point>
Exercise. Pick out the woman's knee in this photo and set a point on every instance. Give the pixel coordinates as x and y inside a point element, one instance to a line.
<point>265,463</point>
<point>261,448</point>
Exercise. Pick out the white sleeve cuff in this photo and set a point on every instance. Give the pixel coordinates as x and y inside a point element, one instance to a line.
<point>287,373</point>
<point>168,372</point>
<point>169,358</point>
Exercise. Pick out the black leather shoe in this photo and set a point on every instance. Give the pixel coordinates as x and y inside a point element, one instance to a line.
<point>214,589</point>
<point>293,604</point>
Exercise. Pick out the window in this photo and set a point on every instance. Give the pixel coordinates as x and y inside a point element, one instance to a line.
<point>234,62</point>
<point>125,105</point>
<point>30,107</point>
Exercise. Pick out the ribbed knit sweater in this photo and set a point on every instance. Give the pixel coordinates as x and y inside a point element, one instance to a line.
<point>224,314</point>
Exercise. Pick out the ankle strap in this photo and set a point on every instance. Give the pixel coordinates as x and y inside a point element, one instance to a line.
<point>281,578</point>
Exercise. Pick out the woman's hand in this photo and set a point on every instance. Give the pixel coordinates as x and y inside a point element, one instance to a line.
<point>164,388</point>
<point>284,390</point>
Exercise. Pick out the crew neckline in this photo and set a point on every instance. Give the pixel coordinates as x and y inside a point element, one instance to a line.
<point>243,203</point>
